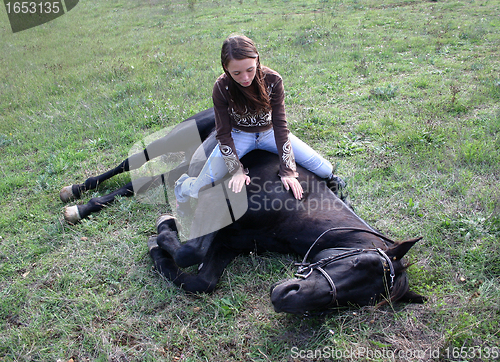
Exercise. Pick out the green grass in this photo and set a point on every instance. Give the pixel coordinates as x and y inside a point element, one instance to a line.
<point>404,96</point>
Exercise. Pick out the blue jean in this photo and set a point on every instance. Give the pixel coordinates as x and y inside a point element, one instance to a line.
<point>244,142</point>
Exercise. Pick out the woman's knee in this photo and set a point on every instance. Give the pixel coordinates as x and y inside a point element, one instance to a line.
<point>317,165</point>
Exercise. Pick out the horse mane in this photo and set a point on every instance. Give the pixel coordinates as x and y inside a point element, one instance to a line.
<point>401,285</point>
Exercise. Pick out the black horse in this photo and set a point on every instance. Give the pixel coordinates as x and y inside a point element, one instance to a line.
<point>344,262</point>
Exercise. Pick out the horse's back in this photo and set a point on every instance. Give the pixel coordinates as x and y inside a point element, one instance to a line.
<point>205,121</point>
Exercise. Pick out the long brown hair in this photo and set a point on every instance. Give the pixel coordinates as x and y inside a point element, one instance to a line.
<point>253,98</point>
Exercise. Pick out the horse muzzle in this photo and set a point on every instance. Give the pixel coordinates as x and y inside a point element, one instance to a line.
<point>287,297</point>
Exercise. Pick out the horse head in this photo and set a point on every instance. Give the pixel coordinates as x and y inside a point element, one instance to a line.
<point>338,277</point>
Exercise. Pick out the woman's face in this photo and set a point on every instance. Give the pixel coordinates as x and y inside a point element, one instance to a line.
<point>242,71</point>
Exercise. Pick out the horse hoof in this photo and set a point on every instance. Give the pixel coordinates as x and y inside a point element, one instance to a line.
<point>72,215</point>
<point>152,243</point>
<point>66,194</point>
<point>164,218</point>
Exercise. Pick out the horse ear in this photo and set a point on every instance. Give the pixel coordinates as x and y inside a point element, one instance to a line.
<point>397,251</point>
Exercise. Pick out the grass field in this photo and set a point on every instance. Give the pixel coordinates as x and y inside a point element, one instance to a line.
<point>403,95</point>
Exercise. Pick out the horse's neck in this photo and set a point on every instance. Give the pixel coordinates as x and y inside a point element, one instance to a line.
<point>348,210</point>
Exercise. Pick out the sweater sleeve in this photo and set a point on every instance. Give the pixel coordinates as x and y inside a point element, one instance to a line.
<point>223,128</point>
<point>281,132</point>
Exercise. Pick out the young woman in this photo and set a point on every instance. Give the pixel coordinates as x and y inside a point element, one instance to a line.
<point>250,114</point>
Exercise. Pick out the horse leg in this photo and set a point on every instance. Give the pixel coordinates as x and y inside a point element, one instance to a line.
<point>209,273</point>
<point>75,213</point>
<point>184,137</point>
<point>69,193</point>
<point>191,252</point>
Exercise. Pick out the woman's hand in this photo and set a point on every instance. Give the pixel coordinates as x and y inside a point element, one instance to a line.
<point>294,184</point>
<point>237,181</point>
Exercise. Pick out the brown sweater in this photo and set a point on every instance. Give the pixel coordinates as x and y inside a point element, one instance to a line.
<point>226,118</point>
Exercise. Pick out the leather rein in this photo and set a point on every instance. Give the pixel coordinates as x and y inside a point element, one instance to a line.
<point>305,269</point>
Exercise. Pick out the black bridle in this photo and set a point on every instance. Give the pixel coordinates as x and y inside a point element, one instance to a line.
<point>306,269</point>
